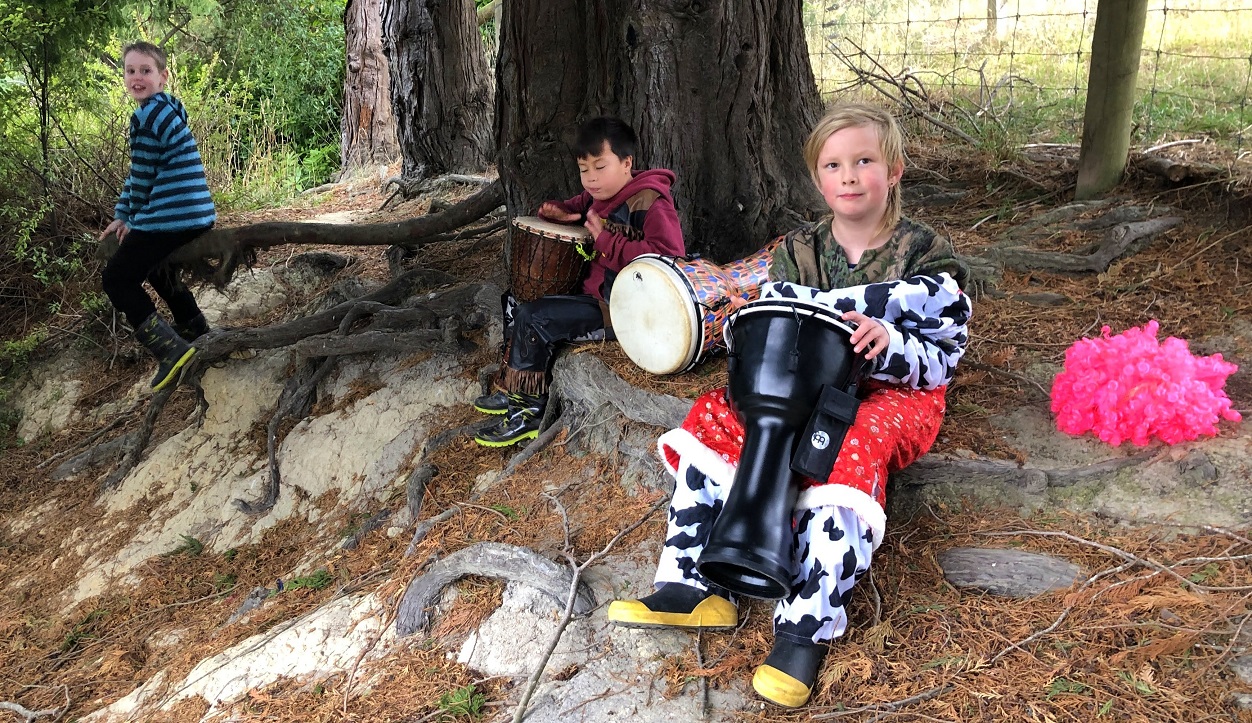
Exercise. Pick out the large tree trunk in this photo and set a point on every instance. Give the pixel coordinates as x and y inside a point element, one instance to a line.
<point>721,93</point>
<point>1115,48</point>
<point>440,86</point>
<point>368,126</point>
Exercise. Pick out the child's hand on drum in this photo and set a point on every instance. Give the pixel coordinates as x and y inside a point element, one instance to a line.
<point>736,301</point>
<point>594,224</point>
<point>870,335</point>
<point>553,212</point>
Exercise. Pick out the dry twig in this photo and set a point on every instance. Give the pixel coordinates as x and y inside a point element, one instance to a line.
<point>577,569</point>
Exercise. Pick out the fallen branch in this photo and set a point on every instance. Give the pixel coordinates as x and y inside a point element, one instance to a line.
<point>1177,171</point>
<point>887,707</point>
<point>30,715</point>
<point>27,714</point>
<point>574,597</point>
<point>230,247</point>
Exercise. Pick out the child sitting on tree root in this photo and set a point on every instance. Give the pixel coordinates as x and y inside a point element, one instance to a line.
<point>628,212</point>
<point>165,204</point>
<point>901,284</point>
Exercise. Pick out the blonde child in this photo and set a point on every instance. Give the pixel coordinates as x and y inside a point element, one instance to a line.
<point>901,284</point>
<point>164,205</point>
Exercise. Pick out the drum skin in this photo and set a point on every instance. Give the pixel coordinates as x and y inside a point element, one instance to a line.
<point>668,312</point>
<point>544,258</point>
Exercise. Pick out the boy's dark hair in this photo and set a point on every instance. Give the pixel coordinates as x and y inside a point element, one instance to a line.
<point>148,49</point>
<point>593,134</point>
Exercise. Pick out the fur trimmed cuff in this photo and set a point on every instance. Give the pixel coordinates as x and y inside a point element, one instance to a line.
<point>679,444</point>
<point>865,507</point>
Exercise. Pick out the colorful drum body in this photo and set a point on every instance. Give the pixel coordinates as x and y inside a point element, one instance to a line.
<point>751,273</point>
<point>544,257</point>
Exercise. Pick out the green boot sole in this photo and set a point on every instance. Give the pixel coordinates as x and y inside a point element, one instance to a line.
<point>164,377</point>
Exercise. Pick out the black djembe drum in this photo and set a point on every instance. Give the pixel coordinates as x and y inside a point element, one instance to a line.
<point>783,355</point>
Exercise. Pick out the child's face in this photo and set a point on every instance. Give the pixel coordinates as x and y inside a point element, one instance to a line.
<point>604,174</point>
<point>853,176</point>
<point>143,79</point>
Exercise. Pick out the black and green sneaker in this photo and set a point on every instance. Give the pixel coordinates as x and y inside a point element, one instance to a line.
<point>521,422</point>
<point>496,403</point>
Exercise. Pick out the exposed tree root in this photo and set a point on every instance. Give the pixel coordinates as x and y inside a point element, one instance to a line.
<point>1117,241</point>
<point>217,254</point>
<point>489,559</point>
<point>139,441</point>
<point>938,469</point>
<point>451,312</point>
<point>587,382</point>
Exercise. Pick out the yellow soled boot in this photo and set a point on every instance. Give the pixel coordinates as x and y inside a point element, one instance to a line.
<point>675,605</point>
<point>787,676</point>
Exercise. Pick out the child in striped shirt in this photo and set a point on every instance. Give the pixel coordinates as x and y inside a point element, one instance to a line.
<point>164,205</point>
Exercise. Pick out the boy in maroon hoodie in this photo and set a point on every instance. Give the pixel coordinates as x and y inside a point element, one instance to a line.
<point>628,212</point>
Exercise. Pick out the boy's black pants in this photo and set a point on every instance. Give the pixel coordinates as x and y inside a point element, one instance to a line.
<point>141,257</point>
<point>537,328</point>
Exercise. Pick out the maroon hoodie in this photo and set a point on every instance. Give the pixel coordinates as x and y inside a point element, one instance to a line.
<point>639,219</point>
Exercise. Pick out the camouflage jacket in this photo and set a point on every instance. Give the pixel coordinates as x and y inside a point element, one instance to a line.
<point>913,284</point>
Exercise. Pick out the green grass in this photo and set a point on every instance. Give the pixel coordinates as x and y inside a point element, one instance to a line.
<point>319,580</point>
<point>1194,74</point>
<point>464,702</point>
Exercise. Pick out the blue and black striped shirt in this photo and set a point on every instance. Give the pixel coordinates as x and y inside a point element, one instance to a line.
<point>166,190</point>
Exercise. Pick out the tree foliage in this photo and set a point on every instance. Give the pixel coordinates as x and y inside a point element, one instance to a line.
<point>262,82</point>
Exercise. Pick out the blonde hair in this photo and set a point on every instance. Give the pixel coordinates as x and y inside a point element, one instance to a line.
<point>890,144</point>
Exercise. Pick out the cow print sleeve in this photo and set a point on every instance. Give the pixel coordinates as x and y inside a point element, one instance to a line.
<point>925,317</point>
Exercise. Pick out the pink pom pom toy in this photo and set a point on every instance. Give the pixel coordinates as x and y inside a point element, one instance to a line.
<point>1132,387</point>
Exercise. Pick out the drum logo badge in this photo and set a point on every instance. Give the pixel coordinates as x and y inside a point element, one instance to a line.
<point>820,440</point>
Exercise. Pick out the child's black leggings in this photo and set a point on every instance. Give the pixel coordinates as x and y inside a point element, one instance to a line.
<point>540,325</point>
<point>140,257</point>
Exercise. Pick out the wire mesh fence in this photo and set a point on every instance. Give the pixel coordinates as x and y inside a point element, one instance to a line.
<point>1016,70</point>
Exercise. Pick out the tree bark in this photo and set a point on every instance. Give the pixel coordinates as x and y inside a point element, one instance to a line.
<point>368,126</point>
<point>720,93</point>
<point>1115,48</point>
<point>441,89</point>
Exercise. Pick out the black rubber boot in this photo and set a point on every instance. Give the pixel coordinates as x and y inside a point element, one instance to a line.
<point>675,605</point>
<point>172,352</point>
<point>494,403</point>
<point>193,329</point>
<point>787,676</point>
<point>520,422</point>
